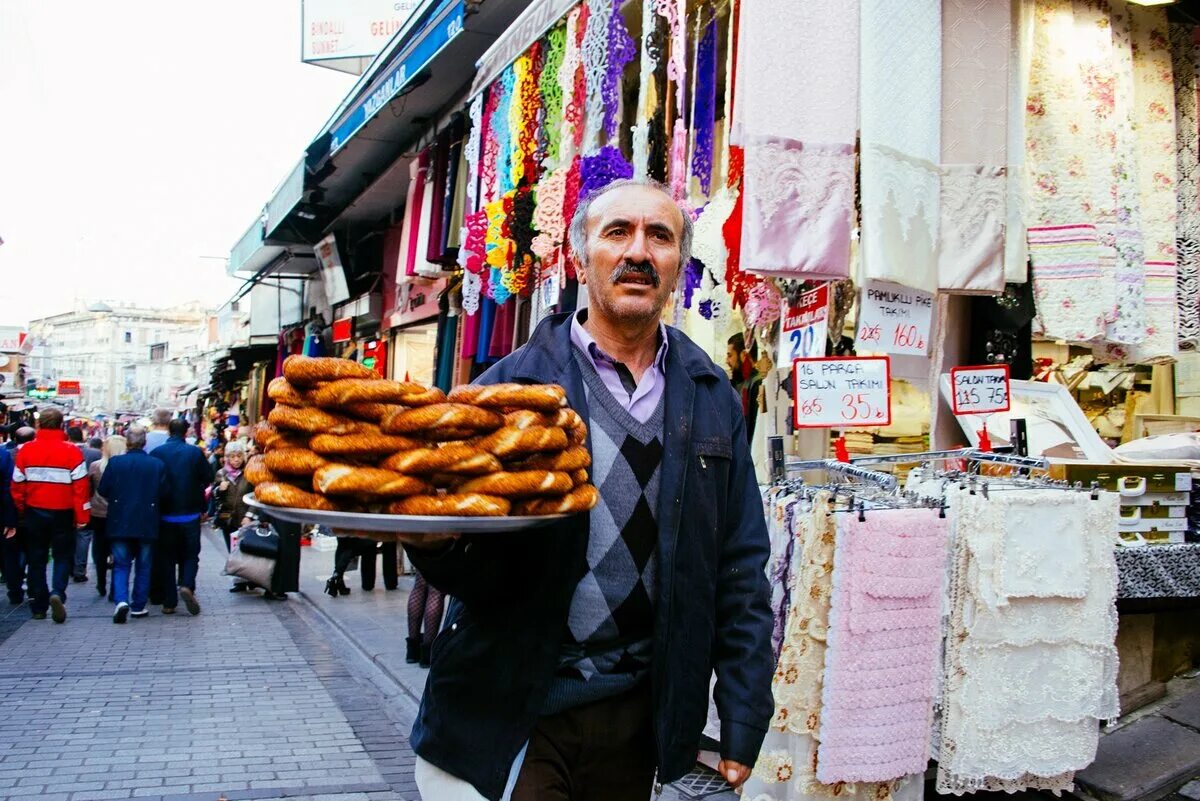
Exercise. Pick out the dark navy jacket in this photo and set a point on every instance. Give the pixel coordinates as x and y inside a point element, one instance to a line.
<point>8,509</point>
<point>498,650</point>
<point>189,475</point>
<point>134,484</point>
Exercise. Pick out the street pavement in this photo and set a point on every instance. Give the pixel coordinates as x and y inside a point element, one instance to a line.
<point>306,700</point>
<point>251,700</point>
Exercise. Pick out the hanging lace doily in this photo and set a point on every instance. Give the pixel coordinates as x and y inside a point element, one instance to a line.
<point>473,153</point>
<point>705,106</point>
<point>675,12</point>
<point>646,90</point>
<point>708,238</point>
<point>763,305</point>
<point>471,288</point>
<point>678,168</point>
<point>550,86</point>
<point>570,83</point>
<point>489,147</point>
<point>595,66</point>
<point>601,169</point>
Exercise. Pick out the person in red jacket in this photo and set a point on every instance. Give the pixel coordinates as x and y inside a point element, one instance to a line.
<point>52,494</point>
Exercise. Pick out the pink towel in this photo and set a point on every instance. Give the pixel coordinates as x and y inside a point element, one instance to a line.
<point>882,662</point>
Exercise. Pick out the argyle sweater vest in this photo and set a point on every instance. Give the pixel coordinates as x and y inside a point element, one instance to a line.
<point>608,645</point>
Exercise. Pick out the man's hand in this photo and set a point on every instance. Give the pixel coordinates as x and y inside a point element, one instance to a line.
<point>733,772</point>
<point>419,541</point>
<point>9,533</point>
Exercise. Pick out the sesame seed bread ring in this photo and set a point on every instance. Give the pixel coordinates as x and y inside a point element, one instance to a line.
<point>364,390</point>
<point>426,397</point>
<point>458,505</point>
<point>568,461</point>
<point>365,482</point>
<point>311,421</point>
<point>519,484</point>
<point>257,472</point>
<point>508,443</point>
<point>278,494</point>
<point>442,421</point>
<point>269,438</point>
<point>293,462</point>
<point>580,499</point>
<point>368,443</point>
<point>540,397</point>
<point>280,391</point>
<point>579,477</point>
<point>371,412</point>
<point>455,459</point>
<point>304,371</point>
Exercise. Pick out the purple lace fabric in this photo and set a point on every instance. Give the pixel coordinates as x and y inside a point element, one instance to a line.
<point>602,168</point>
<point>705,107</point>
<point>691,281</point>
<point>621,50</point>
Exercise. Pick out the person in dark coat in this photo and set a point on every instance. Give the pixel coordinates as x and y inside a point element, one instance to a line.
<point>229,492</point>
<point>135,486</point>
<point>12,544</point>
<point>587,645</point>
<point>83,537</point>
<point>177,560</point>
<point>14,576</point>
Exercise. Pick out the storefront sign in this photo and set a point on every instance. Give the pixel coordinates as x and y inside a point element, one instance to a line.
<point>980,390</point>
<point>894,319</point>
<point>849,392</point>
<point>343,329</point>
<point>68,388</point>
<point>333,29</point>
<point>416,300</point>
<point>804,327</point>
<point>13,339</point>
<point>332,274</point>
<point>443,27</point>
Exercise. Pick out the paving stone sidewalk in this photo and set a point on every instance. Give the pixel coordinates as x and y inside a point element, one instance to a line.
<point>250,700</point>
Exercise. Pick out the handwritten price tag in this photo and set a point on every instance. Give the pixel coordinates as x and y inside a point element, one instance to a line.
<point>804,327</point>
<point>894,319</point>
<point>980,390</point>
<point>850,392</point>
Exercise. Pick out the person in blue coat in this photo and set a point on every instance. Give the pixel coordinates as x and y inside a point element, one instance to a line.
<point>11,568</point>
<point>575,659</point>
<point>189,474</point>
<point>135,486</point>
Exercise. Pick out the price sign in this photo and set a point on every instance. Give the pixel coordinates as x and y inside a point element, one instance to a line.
<point>894,319</point>
<point>804,327</point>
<point>849,392</point>
<point>980,390</point>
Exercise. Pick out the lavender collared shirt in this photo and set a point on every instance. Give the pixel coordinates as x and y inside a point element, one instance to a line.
<point>640,403</point>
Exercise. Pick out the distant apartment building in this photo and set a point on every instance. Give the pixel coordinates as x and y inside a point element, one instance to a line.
<point>125,358</point>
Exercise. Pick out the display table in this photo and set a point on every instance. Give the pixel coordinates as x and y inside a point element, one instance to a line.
<point>1158,597</point>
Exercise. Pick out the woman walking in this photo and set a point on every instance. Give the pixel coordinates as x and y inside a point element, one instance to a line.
<point>101,550</point>
<point>230,489</point>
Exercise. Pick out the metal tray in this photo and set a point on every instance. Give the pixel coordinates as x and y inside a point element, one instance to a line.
<point>402,524</point>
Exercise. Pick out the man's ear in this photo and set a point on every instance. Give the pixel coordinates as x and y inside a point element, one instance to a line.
<point>580,270</point>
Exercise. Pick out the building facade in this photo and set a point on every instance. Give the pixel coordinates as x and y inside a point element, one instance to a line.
<point>125,358</point>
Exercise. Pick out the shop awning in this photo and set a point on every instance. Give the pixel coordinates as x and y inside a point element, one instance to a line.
<point>427,67</point>
<point>253,256</point>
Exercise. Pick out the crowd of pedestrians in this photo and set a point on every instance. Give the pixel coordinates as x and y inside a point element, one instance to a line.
<point>136,501</point>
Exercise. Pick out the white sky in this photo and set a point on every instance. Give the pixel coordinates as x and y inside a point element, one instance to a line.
<point>140,136</point>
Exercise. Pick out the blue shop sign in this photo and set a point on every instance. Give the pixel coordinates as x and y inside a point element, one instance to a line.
<point>446,25</point>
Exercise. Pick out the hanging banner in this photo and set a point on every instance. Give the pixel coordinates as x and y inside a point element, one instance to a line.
<point>894,319</point>
<point>845,392</point>
<point>804,328</point>
<point>980,390</point>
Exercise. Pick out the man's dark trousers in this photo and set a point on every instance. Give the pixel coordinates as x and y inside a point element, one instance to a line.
<point>14,564</point>
<point>177,559</point>
<point>46,532</point>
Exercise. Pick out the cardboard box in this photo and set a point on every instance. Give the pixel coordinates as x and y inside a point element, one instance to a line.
<point>1129,479</point>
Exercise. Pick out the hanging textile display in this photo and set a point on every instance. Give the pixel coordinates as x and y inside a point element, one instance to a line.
<point>648,101</point>
<point>1074,284</point>
<point>1030,654</point>
<point>675,13</point>
<point>1016,248</point>
<point>704,106</point>
<point>797,199</point>
<point>883,646</point>
<point>1155,125</point>
<point>901,136</point>
<point>1187,150</point>
<point>976,50</point>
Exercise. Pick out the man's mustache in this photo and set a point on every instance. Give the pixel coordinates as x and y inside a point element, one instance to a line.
<point>637,268</point>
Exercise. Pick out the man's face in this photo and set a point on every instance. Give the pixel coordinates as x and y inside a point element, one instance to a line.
<point>633,236</point>
<point>733,359</point>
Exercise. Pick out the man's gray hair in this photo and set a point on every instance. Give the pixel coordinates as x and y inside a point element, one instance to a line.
<point>577,233</point>
<point>161,417</point>
<point>135,438</point>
